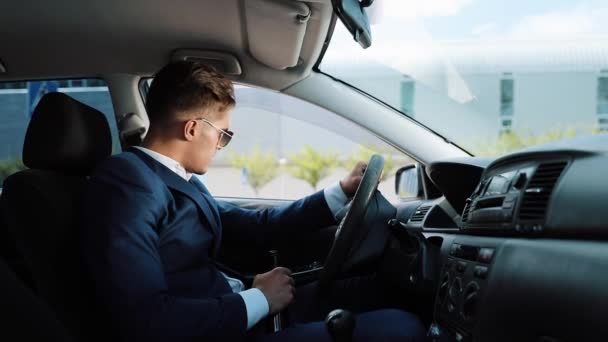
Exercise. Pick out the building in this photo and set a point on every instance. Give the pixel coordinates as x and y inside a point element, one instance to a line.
<point>473,90</point>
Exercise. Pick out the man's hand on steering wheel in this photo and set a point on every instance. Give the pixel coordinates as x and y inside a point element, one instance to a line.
<point>361,185</point>
<point>351,182</point>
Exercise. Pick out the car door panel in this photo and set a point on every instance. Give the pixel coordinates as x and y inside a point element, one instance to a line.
<point>296,252</point>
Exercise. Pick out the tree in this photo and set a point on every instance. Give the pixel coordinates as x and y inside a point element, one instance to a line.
<point>261,167</point>
<point>511,141</point>
<point>8,167</point>
<point>311,165</point>
<point>365,153</point>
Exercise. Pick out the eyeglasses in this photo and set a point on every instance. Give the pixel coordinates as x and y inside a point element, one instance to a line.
<point>225,136</point>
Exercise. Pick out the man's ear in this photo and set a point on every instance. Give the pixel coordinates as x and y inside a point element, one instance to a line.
<point>190,129</point>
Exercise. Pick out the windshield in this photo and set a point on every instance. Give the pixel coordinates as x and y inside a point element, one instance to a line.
<point>492,76</point>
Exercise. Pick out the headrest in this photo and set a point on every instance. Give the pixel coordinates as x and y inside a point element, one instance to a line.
<point>66,135</point>
<point>132,129</point>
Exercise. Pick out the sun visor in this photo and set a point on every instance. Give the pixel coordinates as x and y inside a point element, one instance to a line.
<point>275,31</point>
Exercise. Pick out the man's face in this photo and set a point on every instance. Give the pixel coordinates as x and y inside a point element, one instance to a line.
<point>205,142</point>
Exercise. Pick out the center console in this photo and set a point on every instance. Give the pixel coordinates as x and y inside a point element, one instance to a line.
<point>466,268</point>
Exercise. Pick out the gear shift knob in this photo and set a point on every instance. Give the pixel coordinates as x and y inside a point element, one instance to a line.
<point>340,324</point>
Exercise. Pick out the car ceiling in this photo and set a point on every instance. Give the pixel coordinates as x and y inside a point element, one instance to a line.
<point>74,38</point>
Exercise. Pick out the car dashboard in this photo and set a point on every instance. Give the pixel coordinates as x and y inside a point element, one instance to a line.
<point>524,252</point>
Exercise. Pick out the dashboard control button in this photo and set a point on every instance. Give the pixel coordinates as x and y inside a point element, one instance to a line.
<point>455,289</point>
<point>485,255</point>
<point>454,294</point>
<point>469,304</point>
<point>480,272</point>
<point>454,249</point>
<point>461,266</point>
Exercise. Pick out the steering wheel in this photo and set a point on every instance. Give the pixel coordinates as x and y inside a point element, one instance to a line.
<point>351,232</point>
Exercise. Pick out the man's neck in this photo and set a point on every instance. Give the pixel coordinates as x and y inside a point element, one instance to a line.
<point>167,161</point>
<point>164,148</point>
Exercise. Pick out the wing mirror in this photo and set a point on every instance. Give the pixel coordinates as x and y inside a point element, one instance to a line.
<point>408,182</point>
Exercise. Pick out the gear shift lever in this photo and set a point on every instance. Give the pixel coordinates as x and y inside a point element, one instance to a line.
<point>277,319</point>
<point>340,324</point>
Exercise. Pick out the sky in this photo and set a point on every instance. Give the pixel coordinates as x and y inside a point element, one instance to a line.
<point>423,39</point>
<point>467,19</point>
<point>421,29</point>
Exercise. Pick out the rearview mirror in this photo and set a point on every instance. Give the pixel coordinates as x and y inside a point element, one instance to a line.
<point>353,16</point>
<point>408,182</point>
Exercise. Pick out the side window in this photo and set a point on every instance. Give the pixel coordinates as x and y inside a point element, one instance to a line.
<point>18,100</point>
<point>285,148</point>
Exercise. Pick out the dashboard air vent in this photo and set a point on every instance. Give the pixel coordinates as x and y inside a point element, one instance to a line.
<point>420,213</point>
<point>538,191</point>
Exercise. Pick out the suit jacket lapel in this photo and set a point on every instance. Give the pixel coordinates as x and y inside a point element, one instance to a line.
<point>177,183</point>
<point>207,196</point>
<point>209,199</point>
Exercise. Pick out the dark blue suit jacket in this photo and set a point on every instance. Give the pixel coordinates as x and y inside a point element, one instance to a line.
<point>150,238</point>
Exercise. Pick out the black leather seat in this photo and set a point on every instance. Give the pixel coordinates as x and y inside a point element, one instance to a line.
<point>64,141</point>
<point>25,317</point>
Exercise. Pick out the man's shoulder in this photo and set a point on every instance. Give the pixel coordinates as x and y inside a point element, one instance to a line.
<point>122,162</point>
<point>126,168</point>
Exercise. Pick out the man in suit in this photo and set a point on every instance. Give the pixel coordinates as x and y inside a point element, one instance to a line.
<point>152,230</point>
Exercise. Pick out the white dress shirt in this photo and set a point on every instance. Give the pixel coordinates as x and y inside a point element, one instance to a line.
<point>256,303</point>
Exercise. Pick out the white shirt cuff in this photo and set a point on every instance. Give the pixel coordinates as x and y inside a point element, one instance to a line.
<point>256,305</point>
<point>336,198</point>
<point>235,284</point>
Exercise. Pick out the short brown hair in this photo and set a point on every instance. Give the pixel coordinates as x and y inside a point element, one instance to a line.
<point>186,85</point>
